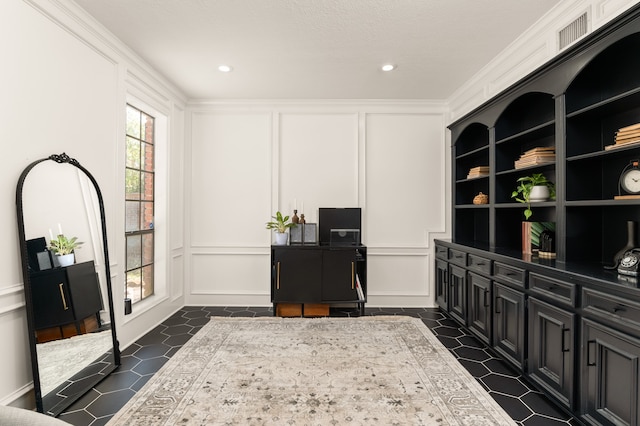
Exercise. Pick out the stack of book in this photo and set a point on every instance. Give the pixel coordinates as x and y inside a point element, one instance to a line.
<point>626,136</point>
<point>479,171</point>
<point>536,156</point>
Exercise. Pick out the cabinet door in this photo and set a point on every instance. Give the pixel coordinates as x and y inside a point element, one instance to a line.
<point>297,276</point>
<point>51,300</point>
<point>339,275</point>
<point>509,323</point>
<point>458,294</point>
<point>551,350</point>
<point>479,306</point>
<point>84,290</point>
<point>442,272</point>
<point>610,376</point>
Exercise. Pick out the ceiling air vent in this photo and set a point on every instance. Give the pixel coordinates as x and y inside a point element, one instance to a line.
<point>573,31</point>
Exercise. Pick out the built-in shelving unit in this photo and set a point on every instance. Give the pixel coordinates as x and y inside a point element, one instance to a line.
<point>574,104</point>
<point>570,325</point>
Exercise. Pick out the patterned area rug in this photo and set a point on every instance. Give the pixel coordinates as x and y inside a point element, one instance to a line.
<point>320,371</point>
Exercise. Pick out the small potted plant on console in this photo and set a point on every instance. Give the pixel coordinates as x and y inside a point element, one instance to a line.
<point>64,247</point>
<point>280,224</point>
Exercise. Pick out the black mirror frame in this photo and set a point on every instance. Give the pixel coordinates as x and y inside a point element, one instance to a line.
<point>60,158</point>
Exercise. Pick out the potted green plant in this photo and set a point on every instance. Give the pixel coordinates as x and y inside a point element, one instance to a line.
<point>280,224</point>
<point>533,188</point>
<point>64,248</point>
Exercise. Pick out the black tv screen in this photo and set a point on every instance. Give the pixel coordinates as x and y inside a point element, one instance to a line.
<point>337,218</point>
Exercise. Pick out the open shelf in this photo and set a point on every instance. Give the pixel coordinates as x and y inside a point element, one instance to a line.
<point>575,106</point>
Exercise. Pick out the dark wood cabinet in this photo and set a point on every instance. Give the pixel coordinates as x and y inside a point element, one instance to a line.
<point>458,293</point>
<point>551,350</point>
<point>442,280</point>
<point>51,299</point>
<point>297,276</point>
<point>509,324</point>
<point>479,315</point>
<point>66,301</point>
<point>610,376</point>
<point>318,274</point>
<point>339,272</point>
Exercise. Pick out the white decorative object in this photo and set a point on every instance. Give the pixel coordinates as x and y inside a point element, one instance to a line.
<point>539,193</point>
<point>66,259</point>
<point>281,238</point>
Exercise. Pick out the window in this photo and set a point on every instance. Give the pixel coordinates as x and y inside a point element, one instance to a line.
<point>139,204</point>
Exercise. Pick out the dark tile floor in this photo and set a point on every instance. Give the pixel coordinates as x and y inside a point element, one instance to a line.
<point>143,358</point>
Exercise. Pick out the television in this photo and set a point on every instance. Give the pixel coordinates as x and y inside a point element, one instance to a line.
<point>337,218</point>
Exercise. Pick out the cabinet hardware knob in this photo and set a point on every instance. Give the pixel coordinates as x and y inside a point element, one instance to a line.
<point>497,304</point>
<point>619,308</point>
<point>510,274</point>
<point>64,301</point>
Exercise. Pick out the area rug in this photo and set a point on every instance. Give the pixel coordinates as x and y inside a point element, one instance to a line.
<point>312,371</point>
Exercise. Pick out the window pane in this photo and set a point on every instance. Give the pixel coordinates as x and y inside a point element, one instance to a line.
<point>134,251</point>
<point>147,158</point>
<point>147,128</point>
<point>147,186</point>
<point>133,122</point>
<point>147,281</point>
<point>147,248</point>
<point>147,216</point>
<point>132,184</point>
<point>132,219</point>
<point>134,289</point>
<point>133,153</point>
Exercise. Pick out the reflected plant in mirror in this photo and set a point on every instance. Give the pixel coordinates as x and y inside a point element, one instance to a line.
<point>64,248</point>
<point>69,306</point>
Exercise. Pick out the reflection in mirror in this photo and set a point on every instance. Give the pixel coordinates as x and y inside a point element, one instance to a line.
<point>69,308</point>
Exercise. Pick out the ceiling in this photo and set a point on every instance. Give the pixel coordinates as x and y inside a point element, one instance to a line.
<point>317,49</point>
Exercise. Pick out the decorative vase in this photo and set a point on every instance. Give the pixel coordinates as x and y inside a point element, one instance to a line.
<point>539,193</point>
<point>481,198</point>
<point>281,238</point>
<point>631,242</point>
<point>294,218</point>
<point>66,259</point>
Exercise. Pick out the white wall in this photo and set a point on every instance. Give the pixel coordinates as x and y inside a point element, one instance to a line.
<point>249,159</point>
<point>64,88</point>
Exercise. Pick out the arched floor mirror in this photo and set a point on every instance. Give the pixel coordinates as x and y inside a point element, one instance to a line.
<point>70,314</point>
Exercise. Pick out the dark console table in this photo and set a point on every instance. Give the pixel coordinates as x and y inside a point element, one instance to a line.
<point>318,274</point>
<point>66,301</point>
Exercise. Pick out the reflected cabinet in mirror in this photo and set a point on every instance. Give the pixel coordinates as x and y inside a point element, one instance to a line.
<point>67,282</point>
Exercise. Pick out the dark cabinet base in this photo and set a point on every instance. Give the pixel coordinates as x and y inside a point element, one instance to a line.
<point>306,280</point>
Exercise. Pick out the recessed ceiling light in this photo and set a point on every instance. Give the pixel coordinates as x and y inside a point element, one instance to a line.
<point>388,67</point>
<point>224,68</point>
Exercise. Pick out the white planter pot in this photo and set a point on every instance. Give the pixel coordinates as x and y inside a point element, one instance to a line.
<point>66,259</point>
<point>281,238</point>
<point>539,193</point>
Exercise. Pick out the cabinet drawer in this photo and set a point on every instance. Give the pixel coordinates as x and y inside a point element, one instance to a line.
<point>508,273</point>
<point>458,257</point>
<point>556,290</point>
<point>479,264</point>
<point>611,307</point>
<point>442,252</point>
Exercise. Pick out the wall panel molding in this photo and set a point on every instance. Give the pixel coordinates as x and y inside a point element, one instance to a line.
<point>12,298</point>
